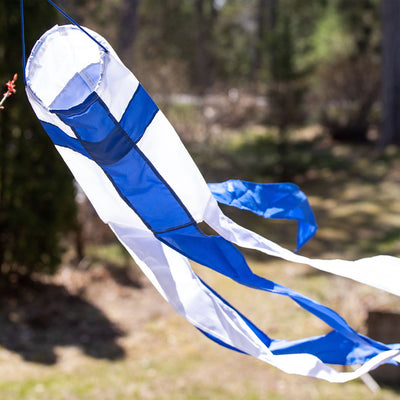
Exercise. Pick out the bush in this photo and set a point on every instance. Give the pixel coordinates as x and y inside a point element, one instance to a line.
<point>348,91</point>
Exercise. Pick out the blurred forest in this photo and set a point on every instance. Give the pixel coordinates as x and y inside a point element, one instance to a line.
<point>218,69</point>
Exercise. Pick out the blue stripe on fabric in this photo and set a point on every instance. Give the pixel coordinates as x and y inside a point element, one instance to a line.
<point>146,192</point>
<point>330,351</point>
<point>81,118</point>
<point>139,114</point>
<point>60,138</point>
<point>223,257</point>
<point>133,176</point>
<point>332,348</point>
<point>110,150</point>
<point>114,140</point>
<point>269,200</point>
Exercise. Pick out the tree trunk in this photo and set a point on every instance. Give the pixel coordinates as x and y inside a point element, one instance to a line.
<point>391,72</point>
<point>205,15</point>
<point>201,46</point>
<point>265,19</point>
<point>127,30</point>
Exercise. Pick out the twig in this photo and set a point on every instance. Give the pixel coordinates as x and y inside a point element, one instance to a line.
<point>10,90</point>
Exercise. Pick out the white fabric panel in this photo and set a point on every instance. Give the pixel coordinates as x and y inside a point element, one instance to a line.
<point>100,191</point>
<point>48,76</point>
<point>45,116</point>
<point>116,76</point>
<point>77,51</point>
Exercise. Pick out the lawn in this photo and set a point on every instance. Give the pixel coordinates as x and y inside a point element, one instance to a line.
<point>102,331</point>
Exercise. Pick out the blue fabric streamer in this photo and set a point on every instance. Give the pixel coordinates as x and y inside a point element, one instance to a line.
<point>269,200</point>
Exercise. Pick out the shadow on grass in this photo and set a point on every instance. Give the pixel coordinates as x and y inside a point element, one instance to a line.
<point>262,156</point>
<point>36,318</point>
<point>124,276</point>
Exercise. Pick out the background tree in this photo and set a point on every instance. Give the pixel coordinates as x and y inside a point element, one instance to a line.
<point>265,24</point>
<point>36,192</point>
<point>206,15</point>
<point>282,64</point>
<point>233,43</point>
<point>391,72</point>
<point>348,58</point>
<point>128,26</point>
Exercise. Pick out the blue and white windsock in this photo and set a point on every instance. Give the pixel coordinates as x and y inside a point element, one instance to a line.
<point>143,183</point>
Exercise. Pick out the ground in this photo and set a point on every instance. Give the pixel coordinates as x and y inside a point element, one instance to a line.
<point>85,335</point>
<point>99,330</point>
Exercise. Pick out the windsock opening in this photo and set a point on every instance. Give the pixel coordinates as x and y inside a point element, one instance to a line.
<point>64,67</point>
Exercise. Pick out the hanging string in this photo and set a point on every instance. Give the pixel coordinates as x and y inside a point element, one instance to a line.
<point>21,6</point>
<point>65,15</point>
<point>76,24</point>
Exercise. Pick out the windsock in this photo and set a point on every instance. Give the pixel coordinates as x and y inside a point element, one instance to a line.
<point>143,183</point>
